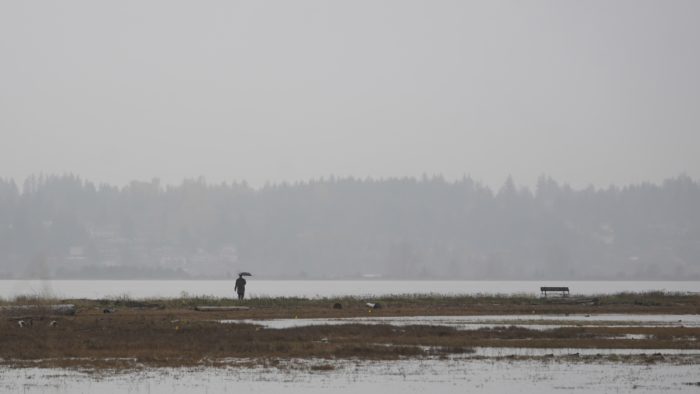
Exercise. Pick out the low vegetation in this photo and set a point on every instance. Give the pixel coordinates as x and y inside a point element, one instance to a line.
<point>431,304</point>
<point>168,332</point>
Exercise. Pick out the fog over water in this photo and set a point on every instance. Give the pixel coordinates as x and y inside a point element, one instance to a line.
<point>361,148</point>
<point>521,140</point>
<point>139,289</point>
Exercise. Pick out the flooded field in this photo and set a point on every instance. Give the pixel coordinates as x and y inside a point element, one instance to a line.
<point>453,375</point>
<point>631,342</point>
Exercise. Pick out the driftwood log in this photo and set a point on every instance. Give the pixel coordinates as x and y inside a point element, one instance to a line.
<point>573,301</point>
<point>205,308</point>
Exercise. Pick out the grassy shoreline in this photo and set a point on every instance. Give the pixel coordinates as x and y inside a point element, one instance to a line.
<point>625,302</point>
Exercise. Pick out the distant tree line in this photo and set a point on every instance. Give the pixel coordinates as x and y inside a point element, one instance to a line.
<point>346,228</point>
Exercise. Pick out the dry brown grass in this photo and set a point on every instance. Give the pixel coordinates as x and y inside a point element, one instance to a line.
<point>399,305</point>
<point>163,333</point>
<point>156,340</point>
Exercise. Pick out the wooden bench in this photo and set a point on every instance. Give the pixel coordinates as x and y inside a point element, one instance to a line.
<point>564,291</point>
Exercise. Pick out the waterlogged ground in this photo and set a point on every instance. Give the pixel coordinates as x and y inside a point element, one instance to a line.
<point>635,342</point>
<point>453,375</point>
<point>535,322</point>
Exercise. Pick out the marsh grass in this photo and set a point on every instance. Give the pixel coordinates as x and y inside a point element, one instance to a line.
<point>394,305</point>
<point>30,299</point>
<point>654,298</point>
<point>164,338</point>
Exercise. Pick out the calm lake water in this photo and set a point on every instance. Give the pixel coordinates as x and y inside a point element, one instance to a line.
<point>315,288</point>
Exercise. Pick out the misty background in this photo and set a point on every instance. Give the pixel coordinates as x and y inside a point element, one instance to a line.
<point>590,92</point>
<point>331,112</point>
<point>62,226</point>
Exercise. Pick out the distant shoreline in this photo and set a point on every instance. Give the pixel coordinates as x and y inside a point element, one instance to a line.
<point>267,288</point>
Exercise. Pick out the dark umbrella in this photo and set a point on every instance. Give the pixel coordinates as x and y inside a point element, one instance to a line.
<point>245,274</point>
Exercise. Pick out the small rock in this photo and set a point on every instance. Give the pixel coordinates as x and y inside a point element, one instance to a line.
<point>53,323</point>
<point>21,323</point>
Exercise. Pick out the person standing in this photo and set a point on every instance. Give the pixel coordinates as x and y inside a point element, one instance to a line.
<point>240,287</point>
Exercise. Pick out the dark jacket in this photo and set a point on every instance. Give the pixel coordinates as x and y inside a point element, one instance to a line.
<point>240,285</point>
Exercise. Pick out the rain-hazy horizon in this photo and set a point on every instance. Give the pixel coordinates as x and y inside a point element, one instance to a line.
<point>445,139</point>
<point>590,93</point>
<point>422,195</point>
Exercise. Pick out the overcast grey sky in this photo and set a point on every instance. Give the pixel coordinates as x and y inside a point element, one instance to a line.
<point>589,92</point>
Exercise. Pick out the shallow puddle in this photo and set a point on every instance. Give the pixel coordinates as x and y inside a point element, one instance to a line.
<point>403,376</point>
<point>475,322</point>
<point>539,352</point>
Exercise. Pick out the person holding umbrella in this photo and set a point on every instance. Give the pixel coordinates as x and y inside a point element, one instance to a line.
<point>240,284</point>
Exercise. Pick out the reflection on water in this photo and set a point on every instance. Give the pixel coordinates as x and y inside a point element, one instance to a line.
<point>315,288</point>
<point>535,322</point>
<point>406,376</point>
